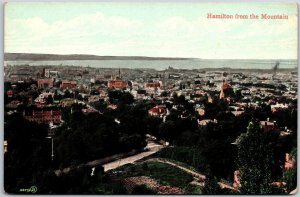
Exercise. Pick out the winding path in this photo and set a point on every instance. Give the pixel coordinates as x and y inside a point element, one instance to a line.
<point>197,176</point>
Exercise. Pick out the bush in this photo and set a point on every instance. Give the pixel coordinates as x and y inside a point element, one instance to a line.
<point>187,155</point>
<point>193,189</point>
<point>142,189</point>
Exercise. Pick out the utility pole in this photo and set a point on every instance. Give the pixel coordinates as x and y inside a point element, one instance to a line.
<point>52,147</point>
<point>52,152</point>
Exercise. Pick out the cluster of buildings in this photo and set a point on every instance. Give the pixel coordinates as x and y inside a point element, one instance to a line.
<point>253,88</point>
<point>56,87</point>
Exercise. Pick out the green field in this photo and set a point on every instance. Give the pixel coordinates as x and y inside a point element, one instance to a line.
<point>164,174</point>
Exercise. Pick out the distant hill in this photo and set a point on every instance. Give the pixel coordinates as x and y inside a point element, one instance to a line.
<point>50,57</point>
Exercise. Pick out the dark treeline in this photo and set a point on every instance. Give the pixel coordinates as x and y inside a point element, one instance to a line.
<point>86,137</point>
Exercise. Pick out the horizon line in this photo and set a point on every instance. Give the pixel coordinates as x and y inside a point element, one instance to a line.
<point>144,56</point>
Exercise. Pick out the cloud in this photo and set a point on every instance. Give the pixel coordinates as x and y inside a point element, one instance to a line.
<point>174,36</point>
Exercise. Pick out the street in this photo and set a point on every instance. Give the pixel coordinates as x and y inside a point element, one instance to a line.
<point>151,149</point>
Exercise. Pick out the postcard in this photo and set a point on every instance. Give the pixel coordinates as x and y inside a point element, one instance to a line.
<point>157,98</point>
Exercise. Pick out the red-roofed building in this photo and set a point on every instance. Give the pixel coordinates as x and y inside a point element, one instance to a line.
<point>224,86</point>
<point>159,110</point>
<point>10,93</point>
<point>66,84</point>
<point>152,85</point>
<point>44,116</point>
<point>117,84</point>
<point>44,83</point>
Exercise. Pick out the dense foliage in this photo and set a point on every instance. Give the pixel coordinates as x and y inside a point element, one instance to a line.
<point>256,160</point>
<point>208,148</point>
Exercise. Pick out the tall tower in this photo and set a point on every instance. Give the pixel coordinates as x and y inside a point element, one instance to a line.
<point>164,80</point>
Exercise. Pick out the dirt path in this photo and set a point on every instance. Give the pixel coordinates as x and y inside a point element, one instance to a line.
<point>131,182</point>
<point>193,173</point>
<point>198,177</point>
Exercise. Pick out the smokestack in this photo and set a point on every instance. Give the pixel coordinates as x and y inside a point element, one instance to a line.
<point>275,68</point>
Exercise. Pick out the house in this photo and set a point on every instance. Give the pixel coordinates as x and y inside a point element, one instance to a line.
<point>200,111</point>
<point>68,102</point>
<point>93,98</point>
<point>237,113</point>
<point>10,93</point>
<point>206,121</point>
<point>269,126</point>
<point>278,106</point>
<point>158,110</point>
<point>44,116</point>
<point>290,162</point>
<point>5,146</point>
<point>120,84</point>
<point>13,104</point>
<point>235,110</point>
<point>152,85</point>
<point>42,98</point>
<point>45,83</point>
<point>224,86</point>
<point>112,106</point>
<point>66,84</point>
<point>88,110</point>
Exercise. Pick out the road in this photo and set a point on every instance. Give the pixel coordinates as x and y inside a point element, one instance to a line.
<point>151,147</point>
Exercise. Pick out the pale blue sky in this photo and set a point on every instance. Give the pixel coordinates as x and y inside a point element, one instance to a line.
<point>151,29</point>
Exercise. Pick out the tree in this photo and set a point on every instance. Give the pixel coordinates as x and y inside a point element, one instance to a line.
<point>238,95</point>
<point>290,175</point>
<point>126,98</point>
<point>152,123</point>
<point>49,99</point>
<point>79,97</point>
<point>166,130</point>
<point>211,186</point>
<point>57,96</point>
<point>255,161</point>
<point>67,94</point>
<point>28,153</point>
<point>142,189</point>
<point>164,94</point>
